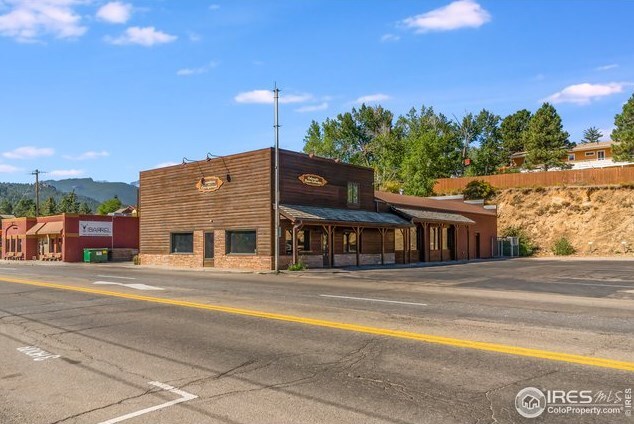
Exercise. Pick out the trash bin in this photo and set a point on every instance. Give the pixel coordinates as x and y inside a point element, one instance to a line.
<point>95,255</point>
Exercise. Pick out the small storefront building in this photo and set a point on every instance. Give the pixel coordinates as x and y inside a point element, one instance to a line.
<point>64,237</point>
<point>219,212</point>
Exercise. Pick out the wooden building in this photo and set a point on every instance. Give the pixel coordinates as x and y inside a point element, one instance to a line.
<point>64,237</point>
<point>219,212</point>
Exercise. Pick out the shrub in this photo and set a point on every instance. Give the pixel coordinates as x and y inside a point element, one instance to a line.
<point>135,260</point>
<point>478,189</point>
<point>299,266</point>
<point>526,245</point>
<point>563,247</point>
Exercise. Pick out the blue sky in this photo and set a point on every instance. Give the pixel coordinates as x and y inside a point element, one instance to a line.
<point>106,89</point>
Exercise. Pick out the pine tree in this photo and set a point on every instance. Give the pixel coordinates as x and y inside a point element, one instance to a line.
<point>546,141</point>
<point>69,203</point>
<point>6,208</point>
<point>50,207</point>
<point>591,135</point>
<point>623,134</point>
<point>84,209</point>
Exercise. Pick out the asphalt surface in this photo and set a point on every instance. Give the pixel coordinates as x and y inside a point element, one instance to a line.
<point>245,369</point>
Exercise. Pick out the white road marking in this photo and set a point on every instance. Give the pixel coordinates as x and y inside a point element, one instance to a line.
<point>584,284</point>
<point>36,353</point>
<point>114,276</point>
<point>7,269</point>
<point>612,280</point>
<point>184,397</point>
<point>132,286</point>
<point>373,300</point>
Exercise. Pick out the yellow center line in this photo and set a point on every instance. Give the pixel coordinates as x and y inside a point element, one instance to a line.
<point>428,338</point>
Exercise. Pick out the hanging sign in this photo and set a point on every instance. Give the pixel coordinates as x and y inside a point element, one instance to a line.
<point>313,180</point>
<point>209,184</point>
<point>95,229</point>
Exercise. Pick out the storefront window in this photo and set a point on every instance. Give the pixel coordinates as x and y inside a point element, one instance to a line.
<point>19,249</point>
<point>241,242</point>
<point>353,194</point>
<point>434,238</point>
<point>303,241</point>
<point>349,242</point>
<point>182,243</point>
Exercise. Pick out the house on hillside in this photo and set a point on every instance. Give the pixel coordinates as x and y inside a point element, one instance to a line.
<point>582,156</point>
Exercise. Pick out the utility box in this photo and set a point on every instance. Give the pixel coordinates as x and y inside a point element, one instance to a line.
<point>95,255</point>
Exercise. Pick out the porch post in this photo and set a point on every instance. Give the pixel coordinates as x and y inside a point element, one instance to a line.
<point>331,247</point>
<point>294,244</point>
<point>382,230</point>
<point>440,239</point>
<point>468,244</point>
<point>356,232</point>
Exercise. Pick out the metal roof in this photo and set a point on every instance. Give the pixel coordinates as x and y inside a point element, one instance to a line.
<point>435,216</point>
<point>415,202</point>
<point>346,216</point>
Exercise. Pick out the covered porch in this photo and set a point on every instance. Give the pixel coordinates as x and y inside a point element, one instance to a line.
<point>434,236</point>
<point>49,240</point>
<point>328,237</point>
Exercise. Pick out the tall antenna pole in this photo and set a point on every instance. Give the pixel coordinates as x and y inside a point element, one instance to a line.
<point>276,97</point>
<point>37,191</point>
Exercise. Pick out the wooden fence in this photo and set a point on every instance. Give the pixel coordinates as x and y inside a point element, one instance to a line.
<point>600,176</point>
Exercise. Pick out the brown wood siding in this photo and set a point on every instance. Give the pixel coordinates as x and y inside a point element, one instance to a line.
<point>170,202</point>
<point>615,175</point>
<point>335,193</point>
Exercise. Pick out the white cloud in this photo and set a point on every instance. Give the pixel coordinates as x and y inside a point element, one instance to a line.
<point>27,20</point>
<point>8,169</point>
<point>164,164</point>
<point>88,155</point>
<point>186,72</point>
<point>386,38</point>
<point>266,97</point>
<point>456,15</point>
<point>29,152</point>
<point>66,173</point>
<point>373,98</point>
<point>583,94</point>
<point>214,6</point>
<point>606,67</point>
<point>115,12</point>
<point>147,36</point>
<point>312,108</point>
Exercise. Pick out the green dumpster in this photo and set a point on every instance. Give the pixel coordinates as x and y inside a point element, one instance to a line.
<point>95,255</point>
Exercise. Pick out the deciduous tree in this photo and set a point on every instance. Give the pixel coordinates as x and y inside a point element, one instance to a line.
<point>513,132</point>
<point>109,206</point>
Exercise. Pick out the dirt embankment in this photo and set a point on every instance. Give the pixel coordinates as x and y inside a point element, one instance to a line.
<point>596,220</point>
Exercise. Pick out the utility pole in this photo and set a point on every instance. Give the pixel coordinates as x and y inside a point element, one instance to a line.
<point>276,125</point>
<point>37,191</point>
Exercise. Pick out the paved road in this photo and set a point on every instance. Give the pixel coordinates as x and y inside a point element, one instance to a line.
<point>246,369</point>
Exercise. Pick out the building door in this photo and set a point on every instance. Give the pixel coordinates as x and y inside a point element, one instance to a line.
<point>601,155</point>
<point>451,242</point>
<point>324,249</point>
<point>477,245</point>
<point>209,249</point>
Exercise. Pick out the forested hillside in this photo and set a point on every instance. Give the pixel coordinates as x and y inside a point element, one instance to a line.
<point>98,190</point>
<point>19,199</point>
